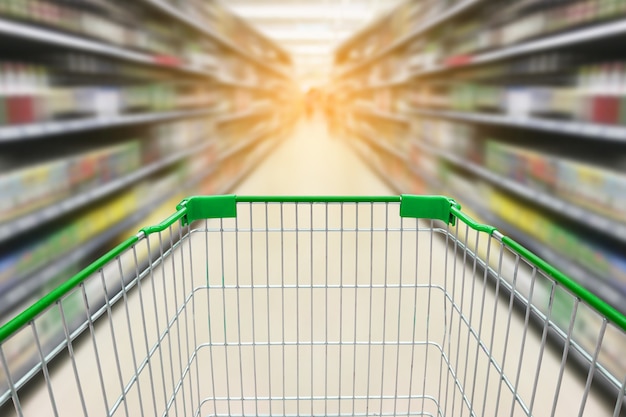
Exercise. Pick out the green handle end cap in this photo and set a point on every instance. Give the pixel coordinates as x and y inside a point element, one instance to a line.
<point>208,207</point>
<point>428,207</point>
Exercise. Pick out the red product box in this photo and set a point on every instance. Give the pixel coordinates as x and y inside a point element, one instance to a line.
<point>605,109</point>
<point>458,60</point>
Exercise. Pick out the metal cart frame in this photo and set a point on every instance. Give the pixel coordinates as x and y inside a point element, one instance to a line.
<point>335,306</point>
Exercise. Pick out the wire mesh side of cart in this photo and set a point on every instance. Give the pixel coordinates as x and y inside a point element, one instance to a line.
<point>318,306</point>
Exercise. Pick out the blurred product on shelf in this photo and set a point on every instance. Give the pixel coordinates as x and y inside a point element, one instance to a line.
<point>30,93</point>
<point>27,189</point>
<point>35,186</point>
<point>173,42</point>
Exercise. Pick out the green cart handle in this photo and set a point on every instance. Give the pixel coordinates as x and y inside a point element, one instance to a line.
<point>225,206</point>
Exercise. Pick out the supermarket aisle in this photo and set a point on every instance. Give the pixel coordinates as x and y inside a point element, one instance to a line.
<point>309,162</point>
<point>312,162</point>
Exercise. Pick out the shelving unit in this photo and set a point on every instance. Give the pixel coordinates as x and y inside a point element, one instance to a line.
<point>591,131</point>
<point>97,131</point>
<point>514,108</point>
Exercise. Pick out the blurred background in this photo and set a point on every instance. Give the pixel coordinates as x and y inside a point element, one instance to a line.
<point>111,111</point>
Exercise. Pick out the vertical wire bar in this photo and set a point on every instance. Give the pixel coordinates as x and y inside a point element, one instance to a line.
<point>568,340</point>
<point>447,328</point>
<point>16,399</point>
<point>461,310</point>
<point>400,289</point>
<point>130,333</point>
<point>195,347</point>
<point>326,314</point>
<point>340,304</point>
<point>544,335</point>
<point>430,285</point>
<point>620,399</point>
<point>92,333</point>
<point>46,374</point>
<point>370,290</point>
<point>531,291</point>
<point>252,291</point>
<point>168,331</point>
<point>507,332</point>
<point>382,366</point>
<point>209,323</point>
<point>144,327</point>
<point>156,320</point>
<point>471,317</point>
<point>592,367</point>
<point>267,293</point>
<point>311,301</point>
<point>480,323</point>
<point>493,325</point>
<point>224,310</point>
<point>113,339</point>
<point>356,297</point>
<point>417,266</point>
<point>282,292</point>
<point>70,350</point>
<point>177,318</point>
<point>297,312</point>
<point>243,402</point>
<point>186,313</point>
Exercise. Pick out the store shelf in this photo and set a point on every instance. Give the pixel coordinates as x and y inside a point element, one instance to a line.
<point>199,26</point>
<point>583,216</point>
<point>15,291</point>
<point>381,114</point>
<point>14,227</point>
<point>38,130</point>
<point>18,289</point>
<point>423,28</point>
<point>584,35</point>
<point>600,286</point>
<point>592,131</point>
<point>57,38</point>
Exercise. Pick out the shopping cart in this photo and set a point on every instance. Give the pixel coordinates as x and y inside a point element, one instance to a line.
<point>329,306</point>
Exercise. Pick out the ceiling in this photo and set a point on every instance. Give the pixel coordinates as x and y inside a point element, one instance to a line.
<point>310,30</point>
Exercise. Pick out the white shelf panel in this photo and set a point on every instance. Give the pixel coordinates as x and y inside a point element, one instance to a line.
<point>587,130</point>
<point>572,37</point>
<point>53,37</point>
<point>36,130</point>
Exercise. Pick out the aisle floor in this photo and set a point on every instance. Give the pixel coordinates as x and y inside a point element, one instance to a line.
<point>311,162</point>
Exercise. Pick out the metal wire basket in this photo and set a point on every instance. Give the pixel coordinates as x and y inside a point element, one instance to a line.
<point>333,306</point>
